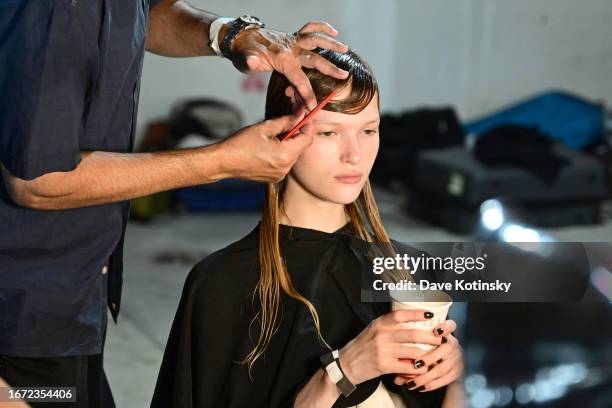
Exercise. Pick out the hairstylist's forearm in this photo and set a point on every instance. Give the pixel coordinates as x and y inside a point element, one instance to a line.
<point>176,29</point>
<point>16,403</point>
<point>252,153</point>
<point>319,392</point>
<point>103,177</point>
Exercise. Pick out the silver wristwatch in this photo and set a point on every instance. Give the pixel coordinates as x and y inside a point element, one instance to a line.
<point>240,24</point>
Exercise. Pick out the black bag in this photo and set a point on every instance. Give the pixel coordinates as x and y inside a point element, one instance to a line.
<point>405,135</point>
<point>205,117</point>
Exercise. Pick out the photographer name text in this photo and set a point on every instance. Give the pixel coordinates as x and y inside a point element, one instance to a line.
<point>460,284</point>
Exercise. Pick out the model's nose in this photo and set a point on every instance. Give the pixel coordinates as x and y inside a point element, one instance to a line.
<point>351,153</point>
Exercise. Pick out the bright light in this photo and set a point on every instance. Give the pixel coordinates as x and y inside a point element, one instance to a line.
<point>516,233</point>
<point>475,382</point>
<point>564,374</point>
<point>503,396</point>
<point>524,393</point>
<point>483,398</point>
<point>547,390</point>
<point>492,214</point>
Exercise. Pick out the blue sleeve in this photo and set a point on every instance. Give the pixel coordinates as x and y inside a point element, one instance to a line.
<point>46,74</point>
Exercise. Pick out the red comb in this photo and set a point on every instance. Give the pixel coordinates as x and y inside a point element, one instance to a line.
<point>302,122</point>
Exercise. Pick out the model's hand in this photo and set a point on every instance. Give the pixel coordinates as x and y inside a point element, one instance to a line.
<point>256,50</point>
<point>444,363</point>
<point>379,348</point>
<point>255,152</point>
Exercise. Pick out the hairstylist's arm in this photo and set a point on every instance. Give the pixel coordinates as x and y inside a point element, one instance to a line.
<point>252,153</point>
<point>376,351</point>
<point>176,29</point>
<point>17,403</point>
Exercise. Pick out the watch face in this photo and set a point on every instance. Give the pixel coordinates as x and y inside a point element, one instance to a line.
<point>250,19</point>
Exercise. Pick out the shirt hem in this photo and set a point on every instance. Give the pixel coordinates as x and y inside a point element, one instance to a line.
<point>42,352</point>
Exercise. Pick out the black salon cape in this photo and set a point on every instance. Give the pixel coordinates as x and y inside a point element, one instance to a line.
<point>210,333</point>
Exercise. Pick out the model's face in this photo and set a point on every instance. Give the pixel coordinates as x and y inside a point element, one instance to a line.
<point>337,164</point>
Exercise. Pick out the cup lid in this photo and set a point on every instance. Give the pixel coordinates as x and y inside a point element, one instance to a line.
<point>428,296</point>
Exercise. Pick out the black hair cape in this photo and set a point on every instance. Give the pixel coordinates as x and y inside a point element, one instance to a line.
<point>213,331</point>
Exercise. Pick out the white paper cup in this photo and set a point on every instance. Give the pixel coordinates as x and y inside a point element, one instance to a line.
<point>434,301</point>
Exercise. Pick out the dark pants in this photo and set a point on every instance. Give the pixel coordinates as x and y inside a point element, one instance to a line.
<point>83,372</point>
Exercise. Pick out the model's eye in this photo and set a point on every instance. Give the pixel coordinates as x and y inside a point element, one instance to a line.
<point>328,133</point>
<point>370,131</point>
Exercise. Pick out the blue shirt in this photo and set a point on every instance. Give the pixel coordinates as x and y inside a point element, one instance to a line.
<point>69,82</point>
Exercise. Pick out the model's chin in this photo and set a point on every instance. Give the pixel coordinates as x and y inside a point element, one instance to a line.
<point>344,195</point>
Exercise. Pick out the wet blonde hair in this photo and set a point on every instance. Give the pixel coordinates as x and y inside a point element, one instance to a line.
<point>362,214</point>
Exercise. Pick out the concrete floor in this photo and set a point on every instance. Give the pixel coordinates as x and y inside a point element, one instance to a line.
<point>160,254</point>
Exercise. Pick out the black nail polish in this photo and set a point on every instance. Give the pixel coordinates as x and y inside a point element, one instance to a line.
<point>418,364</point>
<point>428,315</point>
<point>444,340</point>
<point>430,367</point>
<point>439,331</point>
<point>411,384</point>
<point>439,361</point>
<point>421,388</point>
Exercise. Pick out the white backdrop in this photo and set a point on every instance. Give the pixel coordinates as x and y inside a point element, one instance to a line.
<point>477,55</point>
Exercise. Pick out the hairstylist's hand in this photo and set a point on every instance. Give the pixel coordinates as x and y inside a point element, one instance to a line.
<point>256,50</point>
<point>444,363</point>
<point>17,403</point>
<point>378,349</point>
<point>255,152</point>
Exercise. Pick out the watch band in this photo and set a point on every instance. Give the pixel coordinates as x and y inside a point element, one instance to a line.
<point>331,365</point>
<point>237,26</point>
<point>213,33</point>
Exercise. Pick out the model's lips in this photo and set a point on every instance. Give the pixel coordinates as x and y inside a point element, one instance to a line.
<point>349,178</point>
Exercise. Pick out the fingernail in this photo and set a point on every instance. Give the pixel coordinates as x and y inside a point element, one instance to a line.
<point>439,361</point>
<point>439,331</point>
<point>444,340</point>
<point>421,388</point>
<point>411,384</point>
<point>431,366</point>
<point>418,364</point>
<point>428,315</point>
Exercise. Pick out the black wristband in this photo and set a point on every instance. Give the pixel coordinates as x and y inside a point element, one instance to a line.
<point>326,359</point>
<point>330,363</point>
